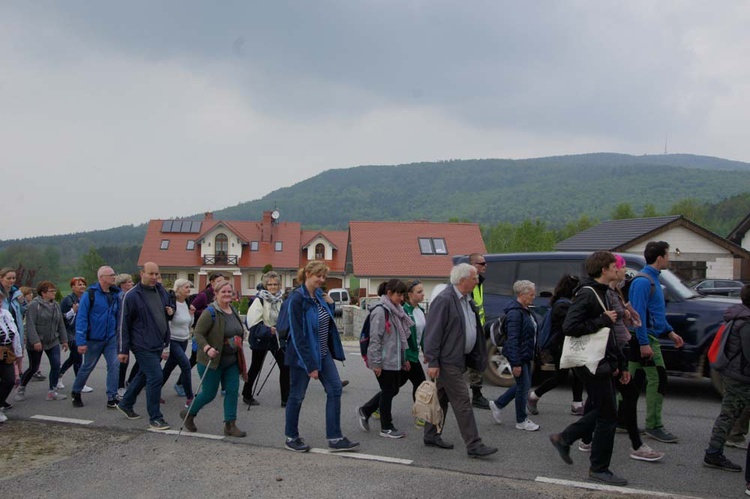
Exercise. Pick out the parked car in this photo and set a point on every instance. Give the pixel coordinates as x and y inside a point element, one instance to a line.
<point>340,296</point>
<point>724,287</point>
<point>694,317</point>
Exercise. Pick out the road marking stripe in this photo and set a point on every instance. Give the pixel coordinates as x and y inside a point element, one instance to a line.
<point>608,488</point>
<point>188,434</point>
<point>366,457</point>
<point>62,420</point>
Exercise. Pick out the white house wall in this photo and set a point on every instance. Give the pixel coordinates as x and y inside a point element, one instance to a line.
<point>209,240</point>
<point>326,245</point>
<point>721,268</point>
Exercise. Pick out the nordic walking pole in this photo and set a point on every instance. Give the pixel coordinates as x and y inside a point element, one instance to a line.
<point>195,395</point>
<point>267,376</point>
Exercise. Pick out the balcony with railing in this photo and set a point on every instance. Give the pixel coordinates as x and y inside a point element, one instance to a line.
<point>220,259</point>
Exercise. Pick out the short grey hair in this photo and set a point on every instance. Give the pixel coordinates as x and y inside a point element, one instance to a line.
<point>523,287</point>
<point>121,279</point>
<point>461,271</point>
<point>271,275</point>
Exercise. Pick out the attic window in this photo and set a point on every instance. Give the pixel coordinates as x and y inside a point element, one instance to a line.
<point>432,246</point>
<point>190,245</point>
<point>253,245</point>
<point>278,246</point>
<point>164,244</point>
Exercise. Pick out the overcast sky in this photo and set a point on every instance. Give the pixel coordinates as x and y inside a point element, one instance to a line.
<point>114,113</point>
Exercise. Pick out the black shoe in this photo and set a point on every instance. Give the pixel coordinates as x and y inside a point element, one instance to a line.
<point>344,383</point>
<point>481,451</point>
<point>129,413</point>
<point>562,448</point>
<point>662,435</point>
<point>296,445</point>
<point>439,443</point>
<point>112,404</point>
<point>480,402</point>
<point>607,477</point>
<point>250,401</point>
<point>6,406</point>
<point>720,462</point>
<point>342,445</point>
<point>77,402</point>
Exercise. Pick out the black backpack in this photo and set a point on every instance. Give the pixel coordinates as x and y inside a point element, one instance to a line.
<point>364,335</point>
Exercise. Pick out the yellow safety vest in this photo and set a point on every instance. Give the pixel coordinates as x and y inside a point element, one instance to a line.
<point>478,295</point>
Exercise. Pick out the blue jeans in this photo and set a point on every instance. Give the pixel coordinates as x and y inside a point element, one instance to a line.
<point>35,360</point>
<point>96,349</point>
<point>328,375</point>
<point>177,357</point>
<point>519,392</point>
<point>150,377</point>
<point>229,378</point>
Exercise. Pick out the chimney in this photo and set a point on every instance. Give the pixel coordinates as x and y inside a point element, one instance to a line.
<point>265,228</point>
<point>208,215</point>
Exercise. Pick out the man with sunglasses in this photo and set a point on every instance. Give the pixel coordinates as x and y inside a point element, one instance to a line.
<point>476,378</point>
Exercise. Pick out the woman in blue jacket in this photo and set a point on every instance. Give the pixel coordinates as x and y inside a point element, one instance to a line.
<point>519,350</point>
<point>312,346</point>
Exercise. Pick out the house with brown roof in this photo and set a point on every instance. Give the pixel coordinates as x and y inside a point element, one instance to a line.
<point>695,252</point>
<point>378,251</point>
<point>193,249</point>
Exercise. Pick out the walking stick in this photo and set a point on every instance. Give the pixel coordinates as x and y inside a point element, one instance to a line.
<point>267,375</point>
<point>195,395</point>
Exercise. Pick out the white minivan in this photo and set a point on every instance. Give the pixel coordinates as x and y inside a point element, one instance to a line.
<point>340,296</point>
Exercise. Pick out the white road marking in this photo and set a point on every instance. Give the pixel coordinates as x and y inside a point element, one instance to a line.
<point>608,488</point>
<point>62,420</point>
<point>366,457</point>
<point>188,434</point>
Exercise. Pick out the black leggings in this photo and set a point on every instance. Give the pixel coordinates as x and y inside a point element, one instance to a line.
<point>389,382</point>
<point>415,375</point>
<point>75,359</point>
<point>7,380</point>
<point>256,365</point>
<point>558,377</point>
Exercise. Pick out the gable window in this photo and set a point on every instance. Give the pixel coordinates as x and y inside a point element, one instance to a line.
<point>190,245</point>
<point>432,246</point>
<point>320,251</point>
<point>164,244</point>
<point>253,245</point>
<point>278,246</point>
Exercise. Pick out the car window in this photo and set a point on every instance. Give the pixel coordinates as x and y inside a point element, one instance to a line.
<point>335,296</point>
<point>546,273</point>
<point>499,278</point>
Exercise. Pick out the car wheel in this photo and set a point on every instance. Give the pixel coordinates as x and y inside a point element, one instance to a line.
<point>498,371</point>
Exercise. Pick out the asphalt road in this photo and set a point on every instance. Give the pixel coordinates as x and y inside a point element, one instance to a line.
<point>526,463</point>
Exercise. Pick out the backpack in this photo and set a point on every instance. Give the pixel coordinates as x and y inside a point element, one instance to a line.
<point>498,332</point>
<point>364,335</point>
<point>716,352</point>
<point>426,405</point>
<point>544,333</point>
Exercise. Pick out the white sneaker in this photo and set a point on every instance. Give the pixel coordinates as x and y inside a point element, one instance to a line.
<point>527,425</point>
<point>60,385</point>
<point>584,447</point>
<point>87,389</point>
<point>646,453</point>
<point>3,417</point>
<point>20,394</point>
<point>120,393</point>
<point>497,413</point>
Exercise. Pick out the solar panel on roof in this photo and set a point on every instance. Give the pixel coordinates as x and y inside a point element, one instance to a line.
<point>196,227</point>
<point>166,226</point>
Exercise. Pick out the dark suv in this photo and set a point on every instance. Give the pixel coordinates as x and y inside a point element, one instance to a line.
<point>694,317</point>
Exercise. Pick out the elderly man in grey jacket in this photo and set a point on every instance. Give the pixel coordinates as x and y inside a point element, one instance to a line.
<point>453,341</point>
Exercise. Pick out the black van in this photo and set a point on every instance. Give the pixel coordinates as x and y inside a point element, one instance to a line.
<point>694,317</point>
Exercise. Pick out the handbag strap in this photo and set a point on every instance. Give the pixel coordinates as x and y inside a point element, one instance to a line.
<point>597,297</point>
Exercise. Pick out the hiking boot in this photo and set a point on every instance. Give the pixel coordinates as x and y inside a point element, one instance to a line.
<point>661,435</point>
<point>527,425</point>
<point>720,462</point>
<point>231,430</point>
<point>562,448</point>
<point>129,413</point>
<point>77,402</point>
<point>481,451</point>
<point>738,443</point>
<point>478,400</point>
<point>38,377</point>
<point>531,404</point>
<point>497,413</point>
<point>20,394</point>
<point>189,421</point>
<point>53,395</point>
<point>296,445</point>
<point>158,424</point>
<point>646,453</point>
<point>112,404</point>
<point>584,447</point>
<point>607,477</point>
<point>392,433</point>
<point>342,445</point>
<point>364,421</point>
<point>179,390</point>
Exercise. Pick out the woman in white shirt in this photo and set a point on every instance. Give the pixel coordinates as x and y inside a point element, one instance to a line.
<point>179,332</point>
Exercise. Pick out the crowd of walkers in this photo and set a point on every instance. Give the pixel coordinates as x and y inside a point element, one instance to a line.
<point>117,318</point>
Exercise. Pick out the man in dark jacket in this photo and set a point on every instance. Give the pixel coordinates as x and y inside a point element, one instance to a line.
<point>476,378</point>
<point>453,341</point>
<point>586,316</point>
<point>736,384</point>
<point>145,331</point>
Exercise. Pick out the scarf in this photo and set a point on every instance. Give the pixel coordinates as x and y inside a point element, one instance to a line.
<point>271,307</point>
<point>398,317</point>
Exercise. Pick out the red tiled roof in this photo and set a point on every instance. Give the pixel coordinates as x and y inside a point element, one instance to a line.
<point>339,240</point>
<point>174,256</point>
<point>392,248</point>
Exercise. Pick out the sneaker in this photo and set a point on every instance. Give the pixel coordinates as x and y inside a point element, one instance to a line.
<point>419,423</point>
<point>376,414</point>
<point>180,390</point>
<point>531,404</point>
<point>661,435</point>
<point>187,403</point>
<point>364,421</point>
<point>77,402</point>
<point>20,394</point>
<point>720,462</point>
<point>527,425</point>
<point>342,445</point>
<point>738,443</point>
<point>584,447</point>
<point>4,406</point>
<point>646,453</point>
<point>112,404</point>
<point>747,489</point>
<point>296,445</point>
<point>497,413</point>
<point>392,433</point>
<point>607,477</point>
<point>60,385</point>
<point>158,424</point>
<point>38,377</point>
<point>87,389</point>
<point>120,393</point>
<point>250,401</point>
<point>621,428</point>
<point>129,413</point>
<point>562,448</point>
<point>576,410</point>
<point>3,417</point>
<point>53,395</point>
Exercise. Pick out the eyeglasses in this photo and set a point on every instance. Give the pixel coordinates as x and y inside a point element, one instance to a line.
<point>110,275</point>
<point>413,284</point>
<point>481,264</point>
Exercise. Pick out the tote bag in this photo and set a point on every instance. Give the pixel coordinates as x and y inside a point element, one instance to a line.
<point>587,350</point>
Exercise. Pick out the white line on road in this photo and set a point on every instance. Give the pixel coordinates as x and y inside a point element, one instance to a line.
<point>62,420</point>
<point>608,488</point>
<point>188,434</point>
<point>366,457</point>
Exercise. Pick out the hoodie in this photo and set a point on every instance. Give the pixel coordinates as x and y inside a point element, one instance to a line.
<point>737,347</point>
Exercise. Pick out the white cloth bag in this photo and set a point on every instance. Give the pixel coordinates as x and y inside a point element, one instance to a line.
<point>587,350</point>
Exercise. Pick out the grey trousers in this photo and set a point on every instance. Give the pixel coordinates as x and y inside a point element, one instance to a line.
<point>452,388</point>
<point>736,398</point>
